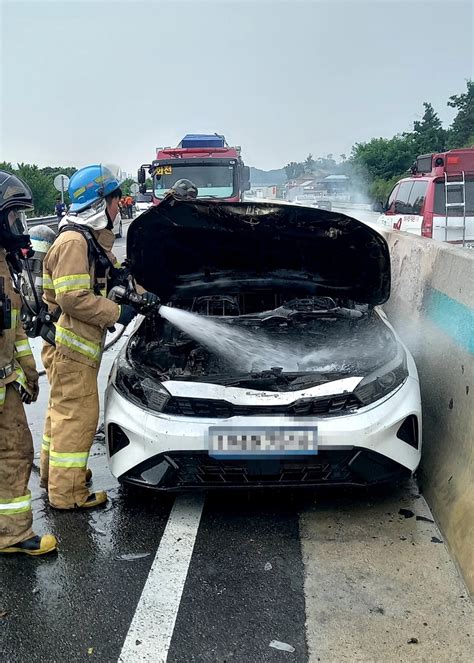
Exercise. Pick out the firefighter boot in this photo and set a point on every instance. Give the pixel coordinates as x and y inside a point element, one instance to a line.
<point>34,546</point>
<point>95,499</point>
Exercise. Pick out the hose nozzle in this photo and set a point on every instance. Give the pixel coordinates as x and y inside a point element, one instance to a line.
<point>146,304</point>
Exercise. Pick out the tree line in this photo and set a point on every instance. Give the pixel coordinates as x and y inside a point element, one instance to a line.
<point>378,164</point>
<point>373,166</point>
<point>40,181</point>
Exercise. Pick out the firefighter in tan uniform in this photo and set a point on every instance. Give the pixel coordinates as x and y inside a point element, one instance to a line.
<point>74,289</point>
<point>18,383</point>
<point>106,239</point>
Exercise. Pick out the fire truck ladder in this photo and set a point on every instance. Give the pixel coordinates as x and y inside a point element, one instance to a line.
<point>453,185</point>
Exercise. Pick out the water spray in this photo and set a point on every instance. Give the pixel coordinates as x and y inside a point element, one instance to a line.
<point>248,350</point>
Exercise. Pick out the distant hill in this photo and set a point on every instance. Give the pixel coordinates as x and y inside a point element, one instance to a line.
<point>267,177</point>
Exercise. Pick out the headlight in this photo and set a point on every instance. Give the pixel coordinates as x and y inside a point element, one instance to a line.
<point>138,388</point>
<point>384,379</point>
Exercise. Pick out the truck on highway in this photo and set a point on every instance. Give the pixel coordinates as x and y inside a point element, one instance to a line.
<point>437,200</point>
<point>216,168</point>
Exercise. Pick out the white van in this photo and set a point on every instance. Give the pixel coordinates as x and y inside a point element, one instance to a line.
<point>437,200</point>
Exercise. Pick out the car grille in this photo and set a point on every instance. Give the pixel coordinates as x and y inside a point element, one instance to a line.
<point>179,470</point>
<point>211,472</point>
<point>221,409</point>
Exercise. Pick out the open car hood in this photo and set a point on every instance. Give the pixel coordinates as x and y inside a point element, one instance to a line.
<point>192,248</point>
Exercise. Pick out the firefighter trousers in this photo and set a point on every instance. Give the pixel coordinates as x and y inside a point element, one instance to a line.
<point>47,356</point>
<point>16,459</point>
<point>74,414</point>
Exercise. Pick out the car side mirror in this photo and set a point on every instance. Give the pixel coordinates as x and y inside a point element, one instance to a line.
<point>246,178</point>
<point>378,206</point>
<point>141,175</point>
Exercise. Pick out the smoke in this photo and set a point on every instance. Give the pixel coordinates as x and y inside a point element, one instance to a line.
<point>360,178</point>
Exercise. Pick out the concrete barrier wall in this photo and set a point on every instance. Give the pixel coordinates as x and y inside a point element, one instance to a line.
<point>432,308</point>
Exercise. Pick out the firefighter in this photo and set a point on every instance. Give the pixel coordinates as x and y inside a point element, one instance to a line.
<point>75,289</point>
<point>18,383</point>
<point>183,190</point>
<point>59,209</point>
<point>123,212</point>
<point>106,239</point>
<point>129,207</point>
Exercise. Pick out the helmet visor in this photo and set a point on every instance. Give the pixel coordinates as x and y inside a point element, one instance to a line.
<point>17,222</point>
<point>112,178</point>
<point>114,171</point>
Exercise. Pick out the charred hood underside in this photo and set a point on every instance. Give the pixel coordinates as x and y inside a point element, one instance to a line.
<point>297,285</point>
<point>205,247</point>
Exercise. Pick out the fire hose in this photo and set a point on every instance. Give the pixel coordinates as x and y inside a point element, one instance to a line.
<point>145,304</point>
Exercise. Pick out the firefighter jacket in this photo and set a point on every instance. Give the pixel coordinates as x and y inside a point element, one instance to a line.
<point>106,239</point>
<point>17,363</point>
<point>71,283</point>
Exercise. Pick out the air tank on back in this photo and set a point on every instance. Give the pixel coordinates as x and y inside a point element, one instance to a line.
<point>41,237</point>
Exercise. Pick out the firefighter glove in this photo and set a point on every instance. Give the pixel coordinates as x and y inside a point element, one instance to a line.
<point>127,313</point>
<point>27,396</point>
<point>34,389</point>
<point>149,302</point>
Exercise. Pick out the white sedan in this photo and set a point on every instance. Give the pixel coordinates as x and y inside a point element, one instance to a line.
<point>340,406</point>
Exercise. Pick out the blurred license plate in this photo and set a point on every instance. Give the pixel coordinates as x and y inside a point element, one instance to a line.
<point>252,441</point>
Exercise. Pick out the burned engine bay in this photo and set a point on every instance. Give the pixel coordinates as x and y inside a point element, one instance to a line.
<point>263,341</point>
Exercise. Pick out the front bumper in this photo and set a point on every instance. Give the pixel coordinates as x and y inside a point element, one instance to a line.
<point>171,452</point>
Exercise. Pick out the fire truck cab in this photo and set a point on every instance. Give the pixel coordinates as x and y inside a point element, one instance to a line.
<point>437,200</point>
<point>208,161</point>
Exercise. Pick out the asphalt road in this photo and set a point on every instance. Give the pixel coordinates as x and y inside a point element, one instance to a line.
<point>234,577</point>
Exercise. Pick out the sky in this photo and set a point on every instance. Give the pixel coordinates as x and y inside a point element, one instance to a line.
<point>85,81</point>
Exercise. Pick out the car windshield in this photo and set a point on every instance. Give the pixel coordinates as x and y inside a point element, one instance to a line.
<point>212,181</point>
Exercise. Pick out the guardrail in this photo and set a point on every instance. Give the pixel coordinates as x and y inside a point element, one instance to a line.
<point>42,220</point>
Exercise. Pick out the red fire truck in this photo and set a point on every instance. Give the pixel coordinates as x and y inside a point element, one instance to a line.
<point>437,200</point>
<point>208,161</point>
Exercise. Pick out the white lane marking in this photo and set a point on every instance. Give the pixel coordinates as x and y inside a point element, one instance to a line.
<point>153,623</point>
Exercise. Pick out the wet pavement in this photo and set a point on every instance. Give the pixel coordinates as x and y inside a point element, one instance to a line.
<point>327,576</point>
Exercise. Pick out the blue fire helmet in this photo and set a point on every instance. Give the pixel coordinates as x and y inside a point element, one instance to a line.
<point>89,185</point>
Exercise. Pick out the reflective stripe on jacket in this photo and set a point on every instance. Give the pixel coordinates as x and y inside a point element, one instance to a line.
<point>68,282</point>
<point>15,505</point>
<point>69,459</point>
